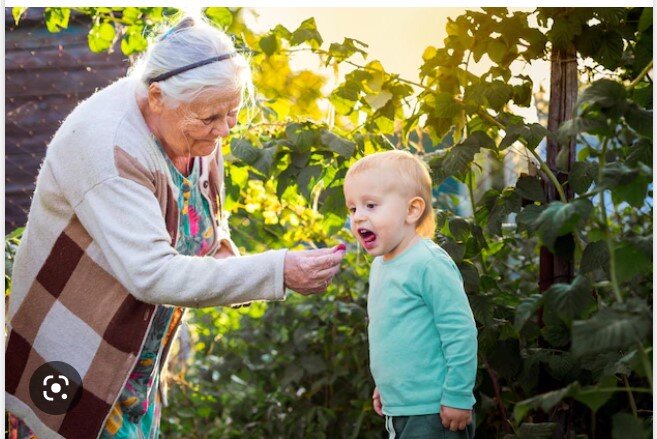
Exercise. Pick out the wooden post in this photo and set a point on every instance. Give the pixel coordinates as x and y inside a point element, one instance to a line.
<point>552,268</point>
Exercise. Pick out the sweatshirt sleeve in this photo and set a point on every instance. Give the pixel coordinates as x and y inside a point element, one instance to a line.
<point>125,221</point>
<point>442,290</point>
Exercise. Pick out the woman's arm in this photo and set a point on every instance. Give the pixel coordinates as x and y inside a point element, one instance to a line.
<point>125,221</point>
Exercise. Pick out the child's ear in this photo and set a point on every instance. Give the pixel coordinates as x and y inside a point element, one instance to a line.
<point>415,210</point>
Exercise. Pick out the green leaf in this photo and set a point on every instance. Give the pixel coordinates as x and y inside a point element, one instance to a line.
<point>522,94</point>
<point>571,301</point>
<point>559,219</point>
<point>645,21</point>
<point>596,396</point>
<point>307,33</point>
<point>497,50</point>
<point>624,424</point>
<point>544,402</point>
<point>221,16</point>
<point>497,94</point>
<point>609,329</point>
<point>302,137</point>
<point>460,228</point>
<point>268,44</point>
<point>640,120</point>
<point>595,256</point>
<point>604,92</point>
<point>526,309</point>
<point>445,106</point>
<point>305,176</point>
<point>513,133</point>
<point>133,41</point>
<point>17,13</point>
<point>627,184</point>
<point>345,50</point>
<point>537,132</point>
<point>56,18</point>
<point>101,36</point>
<point>610,49</point>
<point>454,249</point>
<point>630,261</point>
<point>582,175</point>
<point>563,32</point>
<point>556,333</point>
<point>470,276</point>
<point>260,159</point>
<point>337,144</point>
<point>530,188</point>
<point>527,217</point>
<point>641,152</point>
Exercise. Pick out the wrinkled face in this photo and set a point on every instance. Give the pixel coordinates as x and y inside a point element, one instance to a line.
<point>379,213</point>
<point>194,129</point>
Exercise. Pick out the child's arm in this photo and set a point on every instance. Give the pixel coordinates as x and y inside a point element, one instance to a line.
<point>444,294</point>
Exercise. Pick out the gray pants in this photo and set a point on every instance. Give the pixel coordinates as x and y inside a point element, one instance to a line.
<point>424,427</point>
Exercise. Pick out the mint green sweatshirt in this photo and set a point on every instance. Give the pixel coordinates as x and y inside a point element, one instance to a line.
<point>422,335</point>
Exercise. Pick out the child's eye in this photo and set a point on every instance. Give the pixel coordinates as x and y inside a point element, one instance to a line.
<point>352,209</point>
<point>371,205</point>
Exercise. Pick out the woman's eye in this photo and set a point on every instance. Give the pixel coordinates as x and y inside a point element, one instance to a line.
<point>209,120</point>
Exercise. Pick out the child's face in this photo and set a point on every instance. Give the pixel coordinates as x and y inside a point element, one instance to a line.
<point>381,215</point>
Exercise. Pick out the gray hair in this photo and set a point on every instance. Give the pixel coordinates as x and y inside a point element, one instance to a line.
<point>190,41</point>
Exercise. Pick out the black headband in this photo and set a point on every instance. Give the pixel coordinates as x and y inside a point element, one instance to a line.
<point>179,70</point>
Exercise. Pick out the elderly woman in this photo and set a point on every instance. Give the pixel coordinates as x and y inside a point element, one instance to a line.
<point>125,229</point>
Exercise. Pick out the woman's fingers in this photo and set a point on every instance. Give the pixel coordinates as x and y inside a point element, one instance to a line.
<point>310,271</point>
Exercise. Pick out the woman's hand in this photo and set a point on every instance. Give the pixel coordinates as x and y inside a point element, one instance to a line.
<point>376,402</point>
<point>310,271</point>
<point>455,419</point>
<point>224,251</point>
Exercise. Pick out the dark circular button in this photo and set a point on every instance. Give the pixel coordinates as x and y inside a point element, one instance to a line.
<point>55,387</point>
<point>206,184</point>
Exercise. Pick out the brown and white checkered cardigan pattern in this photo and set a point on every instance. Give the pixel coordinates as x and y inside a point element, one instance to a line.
<point>98,256</point>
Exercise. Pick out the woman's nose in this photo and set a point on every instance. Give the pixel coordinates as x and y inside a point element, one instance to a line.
<point>221,128</point>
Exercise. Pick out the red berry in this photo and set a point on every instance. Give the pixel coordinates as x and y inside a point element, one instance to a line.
<point>341,247</point>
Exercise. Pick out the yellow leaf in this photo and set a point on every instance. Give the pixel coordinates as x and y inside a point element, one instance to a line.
<point>377,101</point>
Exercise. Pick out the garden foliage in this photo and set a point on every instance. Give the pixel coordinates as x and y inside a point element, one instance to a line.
<point>578,355</point>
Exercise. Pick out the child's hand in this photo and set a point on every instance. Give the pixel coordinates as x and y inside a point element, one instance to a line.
<point>455,419</point>
<point>376,402</point>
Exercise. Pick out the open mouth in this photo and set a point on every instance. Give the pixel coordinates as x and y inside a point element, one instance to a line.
<point>367,237</point>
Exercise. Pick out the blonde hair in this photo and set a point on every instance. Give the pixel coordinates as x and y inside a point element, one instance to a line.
<point>415,177</point>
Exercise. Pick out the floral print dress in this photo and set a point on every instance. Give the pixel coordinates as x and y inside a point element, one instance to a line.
<point>136,414</point>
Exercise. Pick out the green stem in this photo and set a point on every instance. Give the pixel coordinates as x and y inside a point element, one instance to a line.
<point>472,203</point>
<point>643,73</point>
<point>646,363</point>
<point>630,396</point>
<point>608,238</point>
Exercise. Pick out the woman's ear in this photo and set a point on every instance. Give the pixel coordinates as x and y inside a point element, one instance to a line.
<point>415,210</point>
<point>155,98</point>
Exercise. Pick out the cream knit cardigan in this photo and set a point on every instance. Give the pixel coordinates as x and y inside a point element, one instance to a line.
<point>98,255</point>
